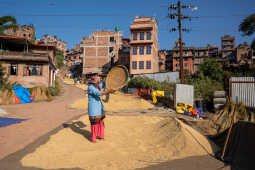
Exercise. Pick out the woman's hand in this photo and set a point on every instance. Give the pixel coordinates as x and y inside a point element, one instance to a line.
<point>111,91</point>
<point>105,92</point>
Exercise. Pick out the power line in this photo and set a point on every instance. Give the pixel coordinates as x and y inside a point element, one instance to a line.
<point>71,15</point>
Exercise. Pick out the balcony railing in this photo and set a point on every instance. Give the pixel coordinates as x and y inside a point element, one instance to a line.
<point>24,56</point>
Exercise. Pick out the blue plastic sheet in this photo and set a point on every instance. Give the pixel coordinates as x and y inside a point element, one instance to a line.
<point>4,121</point>
<point>23,94</point>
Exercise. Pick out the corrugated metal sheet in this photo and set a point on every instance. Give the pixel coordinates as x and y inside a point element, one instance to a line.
<point>243,90</point>
<point>171,77</point>
<point>184,94</point>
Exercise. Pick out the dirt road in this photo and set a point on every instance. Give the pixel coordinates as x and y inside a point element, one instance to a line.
<point>42,118</point>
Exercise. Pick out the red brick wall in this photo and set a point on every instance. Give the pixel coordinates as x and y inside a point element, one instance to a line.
<point>29,81</point>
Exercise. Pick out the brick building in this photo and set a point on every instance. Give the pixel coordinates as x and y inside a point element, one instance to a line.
<point>167,57</point>
<point>243,55</point>
<point>25,31</point>
<point>28,64</point>
<point>124,53</point>
<point>227,46</point>
<point>60,45</point>
<point>193,56</point>
<point>144,47</point>
<point>72,57</point>
<point>100,51</point>
<point>188,59</point>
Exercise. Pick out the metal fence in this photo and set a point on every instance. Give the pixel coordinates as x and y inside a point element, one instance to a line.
<point>242,89</point>
<point>171,77</point>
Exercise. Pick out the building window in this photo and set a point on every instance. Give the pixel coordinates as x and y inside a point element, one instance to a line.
<point>134,51</point>
<point>111,39</point>
<point>185,65</point>
<point>110,49</point>
<point>185,59</point>
<point>14,69</point>
<point>148,49</point>
<point>177,65</point>
<point>148,35</point>
<point>185,52</point>
<point>141,50</point>
<point>148,64</point>
<point>141,65</point>
<point>135,36</point>
<point>33,70</point>
<point>134,65</point>
<point>141,35</point>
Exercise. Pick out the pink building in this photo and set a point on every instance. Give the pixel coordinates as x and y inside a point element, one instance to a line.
<point>144,46</point>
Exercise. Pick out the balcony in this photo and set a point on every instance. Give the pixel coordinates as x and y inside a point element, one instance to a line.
<point>24,56</point>
<point>141,41</point>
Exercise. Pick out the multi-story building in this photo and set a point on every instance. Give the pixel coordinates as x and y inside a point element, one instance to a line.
<point>28,64</point>
<point>25,31</point>
<point>60,45</point>
<point>227,46</point>
<point>72,57</point>
<point>244,54</point>
<point>162,60</point>
<point>213,51</point>
<point>124,53</point>
<point>193,56</point>
<point>188,59</point>
<point>144,47</point>
<point>100,51</point>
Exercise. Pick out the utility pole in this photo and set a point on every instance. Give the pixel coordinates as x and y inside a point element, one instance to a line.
<point>180,17</point>
<point>180,42</point>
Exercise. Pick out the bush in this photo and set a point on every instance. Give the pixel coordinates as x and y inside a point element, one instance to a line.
<point>4,84</point>
<point>144,82</point>
<point>55,91</point>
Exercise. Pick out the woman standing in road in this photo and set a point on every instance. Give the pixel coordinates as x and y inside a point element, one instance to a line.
<point>95,107</point>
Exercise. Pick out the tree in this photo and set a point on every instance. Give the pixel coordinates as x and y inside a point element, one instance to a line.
<point>210,68</point>
<point>3,78</point>
<point>7,22</point>
<point>247,27</point>
<point>59,58</point>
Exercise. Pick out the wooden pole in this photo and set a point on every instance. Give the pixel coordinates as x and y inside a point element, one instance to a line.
<point>180,42</point>
<point>233,111</point>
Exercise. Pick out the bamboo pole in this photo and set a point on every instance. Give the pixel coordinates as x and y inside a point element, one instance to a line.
<point>233,111</point>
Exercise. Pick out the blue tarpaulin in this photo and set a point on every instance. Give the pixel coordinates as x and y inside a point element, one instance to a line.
<point>4,121</point>
<point>22,94</point>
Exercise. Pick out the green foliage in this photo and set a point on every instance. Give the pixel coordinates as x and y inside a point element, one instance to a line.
<point>188,77</point>
<point>210,68</point>
<point>55,91</point>
<point>4,84</point>
<point>3,77</point>
<point>144,82</point>
<point>33,38</point>
<point>3,23</point>
<point>59,58</point>
<point>247,27</point>
<point>205,87</point>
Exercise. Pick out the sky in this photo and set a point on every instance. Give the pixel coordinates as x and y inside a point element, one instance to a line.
<point>70,20</point>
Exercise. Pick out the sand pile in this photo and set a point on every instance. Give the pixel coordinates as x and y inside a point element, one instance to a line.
<point>130,142</point>
<point>82,86</point>
<point>117,102</point>
<point>68,81</point>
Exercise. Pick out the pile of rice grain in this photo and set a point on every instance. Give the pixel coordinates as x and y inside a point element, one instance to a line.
<point>117,102</point>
